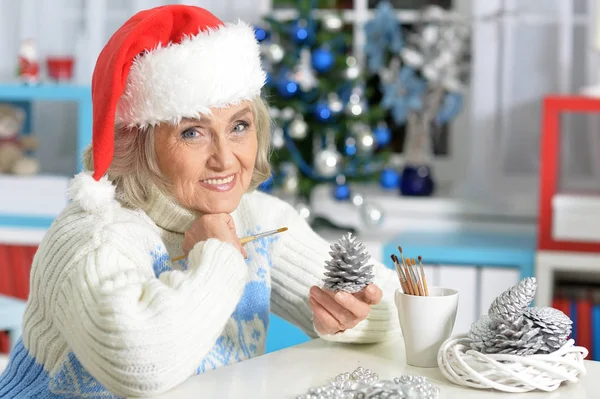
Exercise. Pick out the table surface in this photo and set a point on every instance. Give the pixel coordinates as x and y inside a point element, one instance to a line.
<point>292,371</point>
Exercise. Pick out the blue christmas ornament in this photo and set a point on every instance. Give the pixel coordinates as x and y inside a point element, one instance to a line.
<point>260,33</point>
<point>268,185</point>
<point>341,192</point>
<point>300,33</point>
<point>287,88</point>
<point>417,181</point>
<point>382,135</point>
<point>322,60</point>
<point>323,112</point>
<point>350,146</point>
<point>389,179</point>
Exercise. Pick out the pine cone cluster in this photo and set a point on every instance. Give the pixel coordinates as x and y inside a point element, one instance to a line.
<point>348,269</point>
<point>511,327</point>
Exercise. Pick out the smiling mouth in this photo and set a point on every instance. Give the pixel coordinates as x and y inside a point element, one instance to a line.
<point>218,182</point>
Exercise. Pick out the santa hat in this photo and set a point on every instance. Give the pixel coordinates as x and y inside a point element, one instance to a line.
<point>169,63</point>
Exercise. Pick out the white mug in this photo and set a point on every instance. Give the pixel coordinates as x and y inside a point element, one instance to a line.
<point>426,321</point>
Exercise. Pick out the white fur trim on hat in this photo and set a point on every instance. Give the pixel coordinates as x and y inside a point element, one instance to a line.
<point>93,196</point>
<point>216,68</point>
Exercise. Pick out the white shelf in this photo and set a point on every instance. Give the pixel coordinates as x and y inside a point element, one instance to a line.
<point>33,196</point>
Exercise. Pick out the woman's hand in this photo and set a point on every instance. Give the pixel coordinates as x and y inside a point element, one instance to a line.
<point>336,312</point>
<point>219,226</point>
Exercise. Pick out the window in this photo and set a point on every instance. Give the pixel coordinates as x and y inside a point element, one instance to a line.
<point>522,52</point>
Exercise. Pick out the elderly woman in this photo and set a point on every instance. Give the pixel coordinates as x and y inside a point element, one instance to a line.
<point>180,142</point>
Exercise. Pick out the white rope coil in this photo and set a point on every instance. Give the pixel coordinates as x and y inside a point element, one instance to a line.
<point>510,373</point>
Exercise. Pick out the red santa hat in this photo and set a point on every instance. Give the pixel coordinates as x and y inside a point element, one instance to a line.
<point>169,63</point>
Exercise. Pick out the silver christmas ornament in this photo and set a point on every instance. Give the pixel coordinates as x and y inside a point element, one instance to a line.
<point>334,103</point>
<point>290,178</point>
<point>277,139</point>
<point>352,68</point>
<point>304,210</point>
<point>327,162</point>
<point>371,214</point>
<point>365,141</point>
<point>287,113</point>
<point>511,327</point>
<point>364,384</point>
<point>274,113</point>
<point>298,128</point>
<point>348,269</point>
<point>332,22</point>
<point>356,105</point>
<point>357,199</point>
<point>274,53</point>
<point>304,73</point>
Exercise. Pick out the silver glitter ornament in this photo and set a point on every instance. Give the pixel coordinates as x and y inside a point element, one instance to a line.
<point>364,384</point>
<point>511,327</point>
<point>334,103</point>
<point>332,22</point>
<point>291,178</point>
<point>352,69</point>
<point>304,210</point>
<point>327,162</point>
<point>356,105</point>
<point>287,113</point>
<point>371,214</point>
<point>554,327</point>
<point>365,141</point>
<point>348,269</point>
<point>277,139</point>
<point>298,128</point>
<point>274,53</point>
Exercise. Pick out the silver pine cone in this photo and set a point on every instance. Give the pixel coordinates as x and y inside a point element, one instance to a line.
<point>509,306</point>
<point>554,327</point>
<point>519,337</point>
<point>348,270</point>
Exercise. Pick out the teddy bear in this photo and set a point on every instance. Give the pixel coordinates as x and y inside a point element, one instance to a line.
<point>13,146</point>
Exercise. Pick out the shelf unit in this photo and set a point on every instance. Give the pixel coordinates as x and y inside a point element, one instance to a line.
<point>34,201</point>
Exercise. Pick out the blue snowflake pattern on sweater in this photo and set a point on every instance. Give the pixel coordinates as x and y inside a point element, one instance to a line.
<point>244,335</point>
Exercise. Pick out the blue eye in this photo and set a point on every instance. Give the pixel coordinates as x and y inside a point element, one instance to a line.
<point>189,134</point>
<point>241,127</point>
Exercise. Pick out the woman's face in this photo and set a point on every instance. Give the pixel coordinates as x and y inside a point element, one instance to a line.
<point>210,161</point>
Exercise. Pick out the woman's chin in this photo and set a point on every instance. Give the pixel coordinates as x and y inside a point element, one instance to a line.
<point>220,201</point>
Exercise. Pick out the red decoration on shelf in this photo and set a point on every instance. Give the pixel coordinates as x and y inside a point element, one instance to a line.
<point>553,106</point>
<point>60,68</point>
<point>29,68</point>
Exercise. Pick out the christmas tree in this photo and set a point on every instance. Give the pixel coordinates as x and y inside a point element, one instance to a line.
<point>325,131</point>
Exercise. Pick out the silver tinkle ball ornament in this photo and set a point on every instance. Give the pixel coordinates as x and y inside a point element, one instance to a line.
<point>356,105</point>
<point>365,384</point>
<point>371,214</point>
<point>298,128</point>
<point>327,162</point>
<point>274,53</point>
<point>332,22</point>
<point>277,139</point>
<point>365,141</point>
<point>304,210</point>
<point>352,68</point>
<point>334,103</point>
<point>287,113</point>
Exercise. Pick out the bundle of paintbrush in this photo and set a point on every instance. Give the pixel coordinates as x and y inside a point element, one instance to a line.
<point>412,277</point>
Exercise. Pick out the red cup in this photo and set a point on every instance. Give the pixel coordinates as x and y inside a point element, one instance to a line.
<point>60,68</point>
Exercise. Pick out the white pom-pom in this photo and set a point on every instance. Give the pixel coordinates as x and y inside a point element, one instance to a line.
<point>92,196</point>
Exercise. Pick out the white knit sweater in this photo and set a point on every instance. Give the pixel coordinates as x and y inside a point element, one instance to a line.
<point>109,314</point>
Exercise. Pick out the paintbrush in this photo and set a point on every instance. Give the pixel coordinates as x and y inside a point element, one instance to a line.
<point>246,240</point>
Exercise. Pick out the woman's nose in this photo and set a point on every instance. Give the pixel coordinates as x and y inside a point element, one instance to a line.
<point>222,155</point>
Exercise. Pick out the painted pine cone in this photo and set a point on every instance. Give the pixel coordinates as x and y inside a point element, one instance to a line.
<point>509,306</point>
<point>554,326</point>
<point>491,336</point>
<point>348,269</point>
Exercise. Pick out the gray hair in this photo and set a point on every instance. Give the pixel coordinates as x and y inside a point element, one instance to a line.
<point>134,166</point>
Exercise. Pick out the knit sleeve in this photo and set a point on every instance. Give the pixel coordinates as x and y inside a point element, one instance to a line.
<point>140,335</point>
<point>298,263</point>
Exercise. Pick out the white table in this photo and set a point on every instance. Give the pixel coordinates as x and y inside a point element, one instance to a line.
<point>290,372</point>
